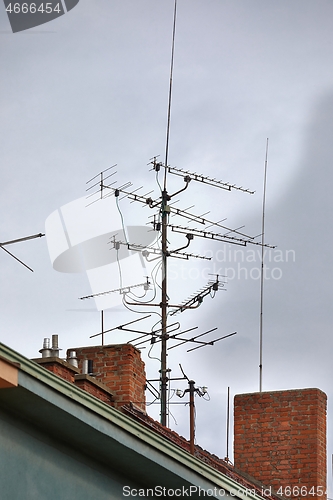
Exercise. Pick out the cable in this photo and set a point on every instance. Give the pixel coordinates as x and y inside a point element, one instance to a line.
<point>158,182</point>
<point>169,411</point>
<point>206,399</point>
<point>172,415</point>
<point>152,402</point>
<point>138,296</point>
<point>152,328</point>
<point>119,268</point>
<point>152,357</point>
<point>138,312</point>
<point>174,392</point>
<point>122,219</point>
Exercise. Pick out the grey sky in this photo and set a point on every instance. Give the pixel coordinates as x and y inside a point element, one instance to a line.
<point>90,89</point>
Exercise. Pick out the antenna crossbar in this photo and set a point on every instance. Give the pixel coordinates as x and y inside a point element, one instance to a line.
<point>132,195</point>
<point>197,299</point>
<point>18,240</point>
<point>187,256</point>
<point>123,290</point>
<point>193,339</point>
<point>212,342</point>
<point>218,236</point>
<point>207,180</point>
<point>201,220</point>
<point>120,327</point>
<point>155,335</point>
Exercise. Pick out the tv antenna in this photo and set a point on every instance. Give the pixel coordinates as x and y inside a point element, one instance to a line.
<point>164,207</point>
<point>18,240</point>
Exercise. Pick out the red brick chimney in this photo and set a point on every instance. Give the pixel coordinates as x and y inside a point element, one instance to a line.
<point>280,440</point>
<point>120,368</point>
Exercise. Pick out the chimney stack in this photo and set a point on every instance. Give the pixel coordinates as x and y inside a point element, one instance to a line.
<point>280,440</point>
<point>119,367</point>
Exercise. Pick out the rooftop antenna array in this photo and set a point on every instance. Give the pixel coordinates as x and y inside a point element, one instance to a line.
<point>164,208</point>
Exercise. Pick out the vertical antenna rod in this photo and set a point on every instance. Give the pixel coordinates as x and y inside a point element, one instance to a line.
<point>164,295</point>
<point>170,93</point>
<point>228,424</point>
<point>262,271</point>
<point>102,325</point>
<point>192,415</point>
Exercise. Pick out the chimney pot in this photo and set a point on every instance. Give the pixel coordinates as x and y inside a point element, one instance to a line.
<point>46,351</point>
<point>55,346</point>
<point>72,359</point>
<point>85,367</point>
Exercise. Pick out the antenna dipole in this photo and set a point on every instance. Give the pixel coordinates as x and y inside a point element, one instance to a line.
<point>262,271</point>
<point>18,240</point>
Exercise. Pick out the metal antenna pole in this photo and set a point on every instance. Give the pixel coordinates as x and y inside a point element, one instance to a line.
<point>164,306</point>
<point>262,272</point>
<point>228,423</point>
<point>164,210</point>
<point>192,423</point>
<point>170,92</point>
<point>102,325</point>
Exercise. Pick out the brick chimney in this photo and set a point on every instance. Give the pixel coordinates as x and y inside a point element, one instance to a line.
<point>120,368</point>
<point>280,440</point>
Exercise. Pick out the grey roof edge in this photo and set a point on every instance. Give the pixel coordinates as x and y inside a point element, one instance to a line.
<point>127,424</point>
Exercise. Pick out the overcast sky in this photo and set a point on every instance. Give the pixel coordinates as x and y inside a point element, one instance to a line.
<point>89,90</point>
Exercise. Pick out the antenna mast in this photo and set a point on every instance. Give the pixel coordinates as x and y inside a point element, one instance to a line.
<point>161,224</point>
<point>164,209</point>
<point>262,272</point>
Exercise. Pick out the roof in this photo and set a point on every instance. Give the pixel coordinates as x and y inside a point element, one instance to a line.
<point>226,468</point>
<point>131,443</point>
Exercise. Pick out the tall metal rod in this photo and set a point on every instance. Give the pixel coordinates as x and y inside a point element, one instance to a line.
<point>164,307</point>
<point>102,325</point>
<point>262,273</point>
<point>164,214</point>
<point>170,92</point>
<point>228,423</point>
<point>192,416</point>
